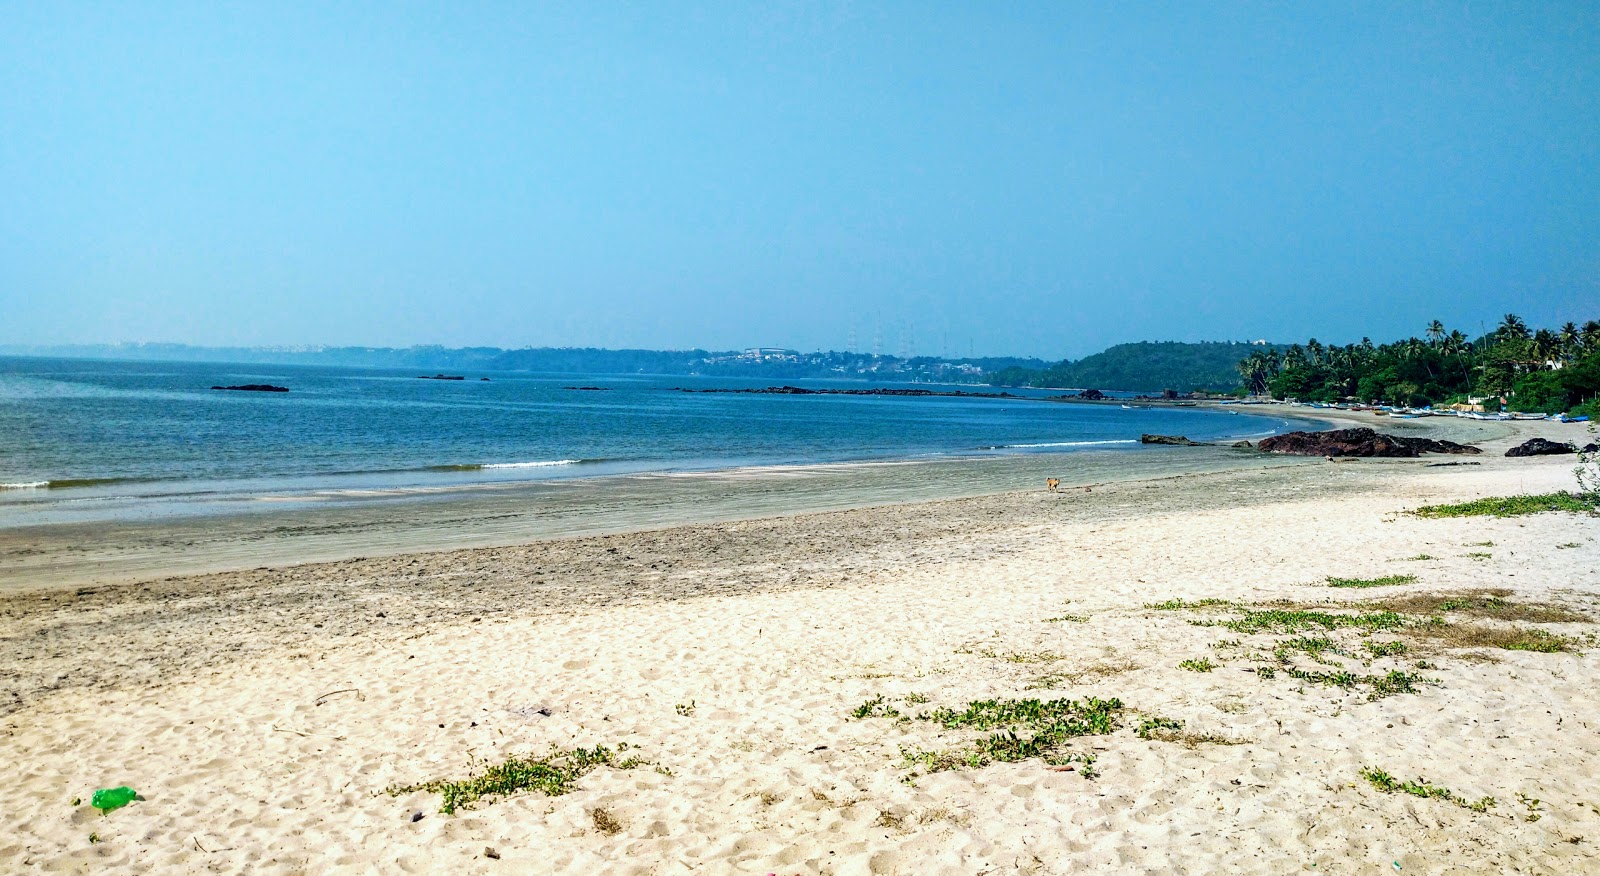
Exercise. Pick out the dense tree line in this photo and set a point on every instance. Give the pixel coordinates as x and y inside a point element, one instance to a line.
<point>1144,366</point>
<point>1548,370</point>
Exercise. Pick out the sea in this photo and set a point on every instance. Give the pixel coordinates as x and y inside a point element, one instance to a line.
<point>96,440</point>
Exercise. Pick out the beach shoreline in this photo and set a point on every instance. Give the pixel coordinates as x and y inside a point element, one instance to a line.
<point>263,714</point>
<point>329,525</point>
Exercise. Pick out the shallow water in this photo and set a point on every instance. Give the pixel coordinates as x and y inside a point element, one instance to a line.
<point>87,441</point>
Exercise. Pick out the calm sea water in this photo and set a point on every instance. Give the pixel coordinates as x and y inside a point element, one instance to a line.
<point>80,438</point>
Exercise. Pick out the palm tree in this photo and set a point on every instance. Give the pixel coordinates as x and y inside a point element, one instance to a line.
<point>1253,369</point>
<point>1435,332</point>
<point>1591,336</point>
<point>1545,347</point>
<point>1569,342</point>
<point>1512,328</point>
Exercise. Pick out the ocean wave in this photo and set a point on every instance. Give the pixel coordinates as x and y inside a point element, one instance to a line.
<point>1061,444</point>
<point>68,483</point>
<point>485,466</point>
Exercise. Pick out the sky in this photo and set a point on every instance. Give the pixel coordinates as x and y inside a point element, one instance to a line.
<point>1007,179</point>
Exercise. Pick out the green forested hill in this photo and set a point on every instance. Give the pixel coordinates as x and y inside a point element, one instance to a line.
<point>1143,366</point>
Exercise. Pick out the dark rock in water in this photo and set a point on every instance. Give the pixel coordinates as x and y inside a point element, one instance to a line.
<point>440,377</point>
<point>1540,447</point>
<point>484,379</point>
<point>1448,464</point>
<point>255,387</point>
<point>1169,439</point>
<point>1093,395</point>
<point>588,388</point>
<point>1590,448</point>
<point>1242,444</point>
<point>1358,442</point>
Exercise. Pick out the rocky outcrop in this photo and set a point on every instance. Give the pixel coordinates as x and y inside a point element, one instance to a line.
<point>255,387</point>
<point>1540,447</point>
<point>1242,445</point>
<point>1093,395</point>
<point>1178,440</point>
<point>1358,442</point>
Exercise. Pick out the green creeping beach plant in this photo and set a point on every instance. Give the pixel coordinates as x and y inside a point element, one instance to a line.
<point>1515,506</point>
<point>1384,649</point>
<point>877,707</point>
<point>1388,784</point>
<point>1279,620</point>
<point>1023,729</point>
<point>1204,664</point>
<point>1385,581</point>
<point>552,775</point>
<point>1152,726</point>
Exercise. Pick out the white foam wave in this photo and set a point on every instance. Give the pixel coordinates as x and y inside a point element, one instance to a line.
<point>539,464</point>
<point>30,485</point>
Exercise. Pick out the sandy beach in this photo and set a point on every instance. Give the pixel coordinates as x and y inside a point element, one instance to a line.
<point>268,718</point>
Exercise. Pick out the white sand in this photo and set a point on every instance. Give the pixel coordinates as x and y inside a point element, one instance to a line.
<point>203,693</point>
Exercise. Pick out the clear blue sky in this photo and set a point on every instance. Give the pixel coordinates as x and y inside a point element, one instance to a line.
<point>1042,178</point>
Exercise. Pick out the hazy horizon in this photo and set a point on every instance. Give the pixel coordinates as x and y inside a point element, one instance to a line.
<point>1039,181</point>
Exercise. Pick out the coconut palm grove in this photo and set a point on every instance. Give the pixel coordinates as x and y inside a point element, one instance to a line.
<point>1510,368</point>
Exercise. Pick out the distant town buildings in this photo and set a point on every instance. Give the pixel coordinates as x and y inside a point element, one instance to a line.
<point>770,354</point>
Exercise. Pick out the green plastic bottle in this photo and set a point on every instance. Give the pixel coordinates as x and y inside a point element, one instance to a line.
<point>107,799</point>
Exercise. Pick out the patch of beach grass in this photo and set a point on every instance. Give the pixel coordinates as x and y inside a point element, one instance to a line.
<point>1503,638</point>
<point>605,822</point>
<point>1483,603</point>
<point>1388,784</point>
<point>1161,729</point>
<point>1385,581</point>
<point>1423,557</point>
<point>1068,618</point>
<point>1092,672</point>
<point>552,775</point>
<point>1185,605</point>
<point>1512,506</point>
